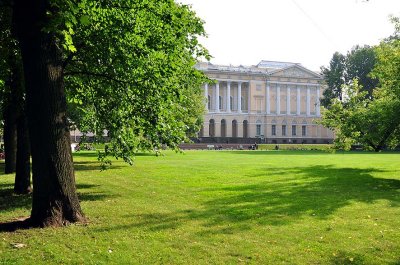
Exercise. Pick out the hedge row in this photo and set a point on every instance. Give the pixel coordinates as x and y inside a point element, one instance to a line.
<point>320,147</point>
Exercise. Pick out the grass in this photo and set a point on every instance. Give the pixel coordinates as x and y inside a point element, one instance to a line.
<point>217,207</point>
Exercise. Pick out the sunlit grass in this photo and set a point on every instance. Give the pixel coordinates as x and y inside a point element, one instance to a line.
<point>219,207</point>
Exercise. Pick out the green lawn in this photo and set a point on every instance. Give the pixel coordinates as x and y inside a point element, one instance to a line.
<point>217,207</point>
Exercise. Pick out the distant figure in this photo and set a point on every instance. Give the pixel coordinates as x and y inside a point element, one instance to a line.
<point>276,147</point>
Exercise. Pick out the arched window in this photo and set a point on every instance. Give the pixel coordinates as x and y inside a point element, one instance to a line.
<point>234,128</point>
<point>211,128</point>
<point>223,128</point>
<point>245,124</point>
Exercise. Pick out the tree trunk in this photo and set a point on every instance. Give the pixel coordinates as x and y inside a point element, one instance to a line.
<point>54,200</point>
<point>22,183</point>
<point>10,135</point>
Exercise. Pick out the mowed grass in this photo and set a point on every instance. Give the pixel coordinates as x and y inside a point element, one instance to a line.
<point>220,207</point>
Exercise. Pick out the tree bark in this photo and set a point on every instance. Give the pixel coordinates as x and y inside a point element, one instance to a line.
<point>10,135</point>
<point>54,200</point>
<point>22,183</point>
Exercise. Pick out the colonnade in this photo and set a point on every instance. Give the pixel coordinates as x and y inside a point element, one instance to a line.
<point>216,106</point>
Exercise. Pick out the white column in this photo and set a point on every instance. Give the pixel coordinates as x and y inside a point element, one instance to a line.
<point>206,95</point>
<point>318,103</point>
<point>308,101</point>
<point>278,99</point>
<point>239,97</point>
<point>248,99</point>
<point>267,103</point>
<point>288,100</point>
<point>228,96</point>
<point>216,98</point>
<point>298,106</point>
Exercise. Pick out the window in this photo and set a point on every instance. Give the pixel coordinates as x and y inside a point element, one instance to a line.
<point>209,102</point>
<point>220,103</point>
<point>303,130</point>
<point>231,103</point>
<point>258,129</point>
<point>273,130</point>
<point>283,130</point>
<point>294,130</point>
<point>242,102</point>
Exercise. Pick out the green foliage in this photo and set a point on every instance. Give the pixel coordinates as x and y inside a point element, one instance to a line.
<point>342,70</point>
<point>334,78</point>
<point>133,73</point>
<point>360,61</point>
<point>371,121</point>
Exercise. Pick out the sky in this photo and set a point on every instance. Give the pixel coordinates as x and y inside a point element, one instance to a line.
<point>244,32</point>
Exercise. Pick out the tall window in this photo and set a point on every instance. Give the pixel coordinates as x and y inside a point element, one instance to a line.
<point>283,130</point>
<point>245,123</point>
<point>258,129</point>
<point>231,103</point>
<point>211,128</point>
<point>294,130</point>
<point>303,130</point>
<point>234,128</point>
<point>242,102</point>
<point>220,103</point>
<point>273,130</point>
<point>223,128</point>
<point>209,102</point>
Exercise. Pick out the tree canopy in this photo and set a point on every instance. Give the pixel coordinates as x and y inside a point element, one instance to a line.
<point>343,69</point>
<point>133,73</point>
<point>126,67</point>
<point>371,121</point>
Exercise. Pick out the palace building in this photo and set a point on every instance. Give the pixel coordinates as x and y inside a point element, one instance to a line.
<point>272,102</point>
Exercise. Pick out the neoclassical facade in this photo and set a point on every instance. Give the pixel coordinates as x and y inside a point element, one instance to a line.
<point>272,102</point>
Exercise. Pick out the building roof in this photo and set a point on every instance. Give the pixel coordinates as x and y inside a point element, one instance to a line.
<point>274,64</point>
<point>263,67</point>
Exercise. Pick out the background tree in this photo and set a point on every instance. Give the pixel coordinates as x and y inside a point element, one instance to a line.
<point>334,78</point>
<point>360,61</point>
<point>342,70</point>
<point>372,121</point>
<point>13,104</point>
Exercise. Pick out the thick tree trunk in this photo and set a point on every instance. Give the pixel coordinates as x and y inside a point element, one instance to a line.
<point>55,201</point>
<point>10,136</point>
<point>22,183</point>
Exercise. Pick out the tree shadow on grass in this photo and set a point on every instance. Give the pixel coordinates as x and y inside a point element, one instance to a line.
<point>281,197</point>
<point>9,201</point>
<point>94,166</point>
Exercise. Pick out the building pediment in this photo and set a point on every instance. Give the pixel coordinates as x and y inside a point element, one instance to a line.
<point>295,71</point>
